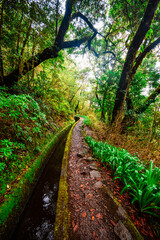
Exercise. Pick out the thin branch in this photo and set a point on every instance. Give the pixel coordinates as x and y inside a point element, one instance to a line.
<point>149,100</point>
<point>80,15</point>
<point>108,61</point>
<point>110,52</point>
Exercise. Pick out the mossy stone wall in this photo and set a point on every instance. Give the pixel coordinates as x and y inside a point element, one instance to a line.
<point>16,201</point>
<point>62,222</point>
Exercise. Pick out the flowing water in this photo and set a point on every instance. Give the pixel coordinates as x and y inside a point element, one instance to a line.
<point>37,220</point>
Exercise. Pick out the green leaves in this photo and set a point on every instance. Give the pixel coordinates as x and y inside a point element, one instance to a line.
<point>7,149</point>
<point>142,184</point>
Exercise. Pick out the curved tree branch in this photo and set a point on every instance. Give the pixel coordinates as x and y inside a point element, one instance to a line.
<point>142,55</point>
<point>65,23</point>
<point>149,100</point>
<point>127,75</point>
<point>74,43</point>
<point>80,15</point>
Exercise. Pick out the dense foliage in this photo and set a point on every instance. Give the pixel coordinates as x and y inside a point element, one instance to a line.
<point>23,124</point>
<point>42,85</point>
<point>142,183</point>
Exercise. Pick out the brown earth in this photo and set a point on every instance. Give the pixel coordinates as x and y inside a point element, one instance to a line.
<point>94,214</point>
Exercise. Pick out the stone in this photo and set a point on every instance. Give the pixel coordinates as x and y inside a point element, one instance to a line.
<point>95,174</point>
<point>80,154</point>
<point>93,166</point>
<point>103,234</point>
<point>89,159</point>
<point>86,147</point>
<point>98,184</point>
<point>83,173</point>
<point>121,213</point>
<point>121,231</point>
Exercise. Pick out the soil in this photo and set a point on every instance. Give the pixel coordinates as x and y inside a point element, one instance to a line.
<point>94,213</point>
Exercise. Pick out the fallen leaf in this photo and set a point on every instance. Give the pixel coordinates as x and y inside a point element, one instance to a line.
<point>84,214</point>
<point>99,216</point>
<point>92,218</point>
<point>113,223</point>
<point>73,223</point>
<point>81,186</point>
<point>75,228</point>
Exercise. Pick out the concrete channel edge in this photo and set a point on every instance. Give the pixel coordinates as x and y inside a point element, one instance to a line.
<point>62,222</point>
<point>23,190</point>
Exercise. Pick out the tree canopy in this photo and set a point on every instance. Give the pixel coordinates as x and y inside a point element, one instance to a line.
<point>32,32</point>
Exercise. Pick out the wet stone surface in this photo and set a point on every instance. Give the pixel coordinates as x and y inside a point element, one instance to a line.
<point>95,174</point>
<point>122,231</point>
<point>91,210</point>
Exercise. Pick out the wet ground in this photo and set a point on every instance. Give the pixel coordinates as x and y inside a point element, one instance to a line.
<point>94,215</point>
<point>88,201</point>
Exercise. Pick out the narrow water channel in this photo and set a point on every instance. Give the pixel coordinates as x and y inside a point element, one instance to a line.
<point>37,220</point>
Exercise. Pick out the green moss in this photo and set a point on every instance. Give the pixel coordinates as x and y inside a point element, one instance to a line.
<point>128,223</point>
<point>62,222</point>
<point>11,209</point>
<point>132,229</point>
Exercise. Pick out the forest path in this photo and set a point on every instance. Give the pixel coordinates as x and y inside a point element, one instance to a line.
<point>94,214</point>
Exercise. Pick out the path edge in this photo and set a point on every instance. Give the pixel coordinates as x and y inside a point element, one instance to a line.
<point>62,221</point>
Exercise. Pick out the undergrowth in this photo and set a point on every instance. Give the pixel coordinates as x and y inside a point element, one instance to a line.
<point>142,183</point>
<point>25,125</point>
<point>98,127</point>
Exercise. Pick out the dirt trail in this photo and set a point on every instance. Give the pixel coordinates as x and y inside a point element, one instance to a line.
<point>93,213</point>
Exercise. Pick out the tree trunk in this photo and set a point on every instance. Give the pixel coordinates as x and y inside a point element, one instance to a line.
<point>1,55</point>
<point>57,12</point>
<point>24,43</point>
<point>50,52</point>
<point>70,101</point>
<point>33,50</point>
<point>149,100</point>
<point>127,75</point>
<point>19,32</point>
<point>76,108</point>
<point>129,119</point>
<point>102,108</point>
<point>103,118</point>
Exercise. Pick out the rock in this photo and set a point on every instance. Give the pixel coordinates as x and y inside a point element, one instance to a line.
<point>95,174</point>
<point>98,184</point>
<point>121,231</point>
<point>86,147</point>
<point>80,154</point>
<point>103,234</point>
<point>83,173</point>
<point>89,159</point>
<point>93,166</point>
<point>121,213</point>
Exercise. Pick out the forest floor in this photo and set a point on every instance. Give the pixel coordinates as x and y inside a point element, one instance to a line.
<point>95,214</point>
